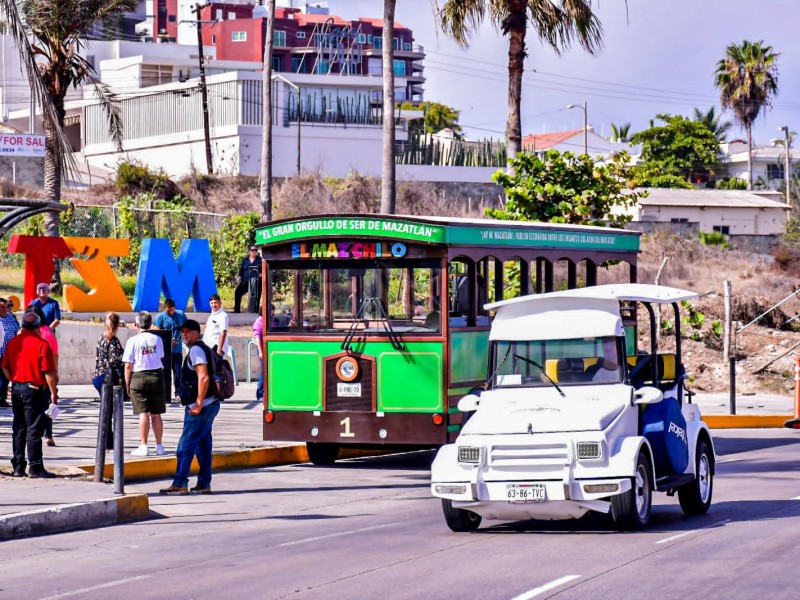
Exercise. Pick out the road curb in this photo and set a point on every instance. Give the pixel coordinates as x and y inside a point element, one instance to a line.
<point>69,517</point>
<point>252,458</point>
<point>745,421</point>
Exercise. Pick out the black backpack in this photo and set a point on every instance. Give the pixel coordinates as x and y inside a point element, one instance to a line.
<point>222,384</point>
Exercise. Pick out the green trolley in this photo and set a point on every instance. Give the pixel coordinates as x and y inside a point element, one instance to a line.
<point>375,326</point>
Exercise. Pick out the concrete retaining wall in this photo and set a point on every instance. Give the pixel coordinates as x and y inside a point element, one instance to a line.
<point>77,343</point>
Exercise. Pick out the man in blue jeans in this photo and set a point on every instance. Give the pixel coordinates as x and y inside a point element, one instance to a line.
<point>201,408</point>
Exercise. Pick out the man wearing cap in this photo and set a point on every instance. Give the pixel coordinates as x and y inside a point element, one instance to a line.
<point>29,365</point>
<point>202,406</point>
<point>250,269</point>
<point>50,308</point>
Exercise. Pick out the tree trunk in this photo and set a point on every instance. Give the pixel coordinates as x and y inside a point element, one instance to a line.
<point>388,192</point>
<point>52,184</point>
<point>516,24</point>
<point>750,156</point>
<point>266,142</point>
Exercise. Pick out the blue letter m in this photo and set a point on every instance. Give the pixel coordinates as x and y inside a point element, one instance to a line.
<point>191,275</point>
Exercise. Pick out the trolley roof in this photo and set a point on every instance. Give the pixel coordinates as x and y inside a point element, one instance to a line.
<point>449,231</point>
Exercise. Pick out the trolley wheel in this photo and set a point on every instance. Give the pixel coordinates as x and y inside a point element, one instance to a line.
<point>322,453</point>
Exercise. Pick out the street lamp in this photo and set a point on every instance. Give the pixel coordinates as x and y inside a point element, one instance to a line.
<point>585,127</point>
<point>296,88</point>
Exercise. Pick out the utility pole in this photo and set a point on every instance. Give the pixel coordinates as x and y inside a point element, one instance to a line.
<point>204,89</point>
<point>585,126</point>
<point>787,164</point>
<point>266,141</point>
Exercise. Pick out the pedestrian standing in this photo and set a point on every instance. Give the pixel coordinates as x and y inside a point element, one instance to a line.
<point>108,367</point>
<point>248,276</point>
<point>144,380</point>
<point>29,365</point>
<point>8,329</point>
<point>172,319</point>
<point>202,406</point>
<point>258,338</point>
<point>48,336</point>
<point>50,308</point>
<point>216,333</point>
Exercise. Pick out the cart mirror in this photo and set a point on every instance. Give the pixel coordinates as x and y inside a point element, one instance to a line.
<point>469,403</point>
<point>646,395</point>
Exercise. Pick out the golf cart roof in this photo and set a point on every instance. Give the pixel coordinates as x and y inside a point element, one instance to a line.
<point>579,313</point>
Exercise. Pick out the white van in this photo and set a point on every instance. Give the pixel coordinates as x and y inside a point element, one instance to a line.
<point>575,417</point>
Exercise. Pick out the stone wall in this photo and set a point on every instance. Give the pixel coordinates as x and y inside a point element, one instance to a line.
<point>761,244</point>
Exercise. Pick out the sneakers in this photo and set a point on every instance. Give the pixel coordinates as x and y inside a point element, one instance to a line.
<point>160,450</point>
<point>174,490</point>
<point>200,490</point>
<point>140,451</point>
<point>41,474</point>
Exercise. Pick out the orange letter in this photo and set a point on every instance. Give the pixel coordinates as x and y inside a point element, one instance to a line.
<point>105,292</point>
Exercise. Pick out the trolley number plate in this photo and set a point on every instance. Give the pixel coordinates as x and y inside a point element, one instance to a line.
<point>525,492</point>
<point>348,390</point>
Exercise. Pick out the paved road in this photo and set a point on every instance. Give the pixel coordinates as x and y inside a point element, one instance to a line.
<point>369,528</point>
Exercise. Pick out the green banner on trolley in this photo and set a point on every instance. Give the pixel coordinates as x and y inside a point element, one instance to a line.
<point>356,226</point>
<point>477,233</point>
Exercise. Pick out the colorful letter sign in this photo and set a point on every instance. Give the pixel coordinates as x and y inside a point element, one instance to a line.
<point>159,273</point>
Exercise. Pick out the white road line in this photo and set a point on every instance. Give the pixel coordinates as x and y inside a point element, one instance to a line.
<point>545,588</point>
<point>94,588</point>
<point>337,534</point>
<point>729,460</point>
<point>797,498</point>
<point>685,533</point>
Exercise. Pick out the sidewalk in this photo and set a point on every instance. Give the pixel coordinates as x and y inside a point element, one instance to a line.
<point>73,501</point>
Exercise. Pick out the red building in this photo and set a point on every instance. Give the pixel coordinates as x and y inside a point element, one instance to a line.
<point>311,43</point>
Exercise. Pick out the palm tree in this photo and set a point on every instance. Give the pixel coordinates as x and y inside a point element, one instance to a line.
<point>711,120</point>
<point>388,184</point>
<point>619,133</point>
<point>49,35</point>
<point>747,79</point>
<point>555,23</point>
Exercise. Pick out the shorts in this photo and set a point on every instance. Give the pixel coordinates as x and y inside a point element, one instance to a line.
<point>147,392</point>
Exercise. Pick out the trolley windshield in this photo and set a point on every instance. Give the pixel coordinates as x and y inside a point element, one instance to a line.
<point>403,295</point>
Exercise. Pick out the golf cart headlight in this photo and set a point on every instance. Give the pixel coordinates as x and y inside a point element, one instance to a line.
<point>588,450</point>
<point>469,454</point>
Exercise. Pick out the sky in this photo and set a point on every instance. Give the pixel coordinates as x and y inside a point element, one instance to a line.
<point>659,56</point>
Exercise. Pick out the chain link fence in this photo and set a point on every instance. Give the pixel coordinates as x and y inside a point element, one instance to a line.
<point>128,222</point>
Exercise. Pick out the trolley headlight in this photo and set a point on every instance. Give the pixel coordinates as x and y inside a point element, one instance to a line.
<point>347,368</point>
<point>469,454</point>
<point>588,450</point>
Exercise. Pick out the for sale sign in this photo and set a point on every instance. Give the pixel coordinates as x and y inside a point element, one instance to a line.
<point>21,144</point>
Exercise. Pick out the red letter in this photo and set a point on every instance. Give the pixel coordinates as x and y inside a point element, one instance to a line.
<point>39,254</point>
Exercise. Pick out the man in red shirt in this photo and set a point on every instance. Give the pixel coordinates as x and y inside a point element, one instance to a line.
<point>29,365</point>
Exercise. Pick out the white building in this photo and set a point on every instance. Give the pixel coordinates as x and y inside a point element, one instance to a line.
<point>768,163</point>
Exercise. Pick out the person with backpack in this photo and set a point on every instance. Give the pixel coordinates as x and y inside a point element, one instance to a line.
<point>202,402</point>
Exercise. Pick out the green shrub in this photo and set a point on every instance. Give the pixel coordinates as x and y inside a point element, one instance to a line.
<point>713,238</point>
<point>229,245</point>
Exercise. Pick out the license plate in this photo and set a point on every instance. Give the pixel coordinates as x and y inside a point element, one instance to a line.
<point>525,492</point>
<point>348,390</point>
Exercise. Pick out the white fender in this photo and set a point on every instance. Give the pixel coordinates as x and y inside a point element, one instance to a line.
<point>622,461</point>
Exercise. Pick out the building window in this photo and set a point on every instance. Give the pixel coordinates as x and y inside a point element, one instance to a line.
<point>277,63</point>
<point>361,38</point>
<point>156,75</point>
<point>322,67</point>
<point>239,36</point>
<point>775,171</point>
<point>369,38</point>
<point>374,66</point>
<point>679,220</point>
<point>279,38</point>
<point>722,229</point>
<point>171,18</point>
<point>399,67</point>
<point>213,40</point>
<point>297,64</point>
<point>377,43</point>
<point>220,14</point>
<point>231,16</point>
<point>395,44</point>
<point>407,47</point>
<point>300,35</point>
